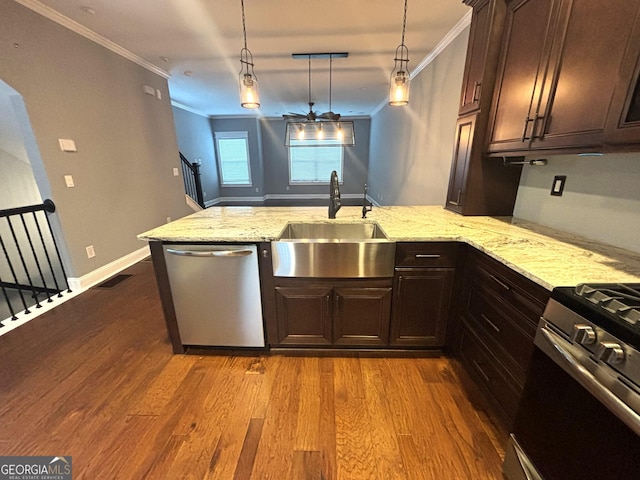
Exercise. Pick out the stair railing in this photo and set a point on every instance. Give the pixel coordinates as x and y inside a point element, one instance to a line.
<point>30,261</point>
<point>192,181</point>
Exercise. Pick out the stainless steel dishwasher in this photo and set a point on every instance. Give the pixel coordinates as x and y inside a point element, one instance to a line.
<point>216,294</point>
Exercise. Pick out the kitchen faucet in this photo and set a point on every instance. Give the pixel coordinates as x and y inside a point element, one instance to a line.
<point>334,195</point>
<point>366,205</point>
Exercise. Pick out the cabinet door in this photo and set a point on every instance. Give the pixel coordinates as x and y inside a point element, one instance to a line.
<point>530,25</point>
<point>623,123</point>
<point>460,163</point>
<point>421,306</point>
<point>361,316</point>
<point>582,73</point>
<point>304,315</point>
<point>476,57</point>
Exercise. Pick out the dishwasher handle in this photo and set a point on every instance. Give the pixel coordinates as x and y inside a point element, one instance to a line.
<point>209,253</point>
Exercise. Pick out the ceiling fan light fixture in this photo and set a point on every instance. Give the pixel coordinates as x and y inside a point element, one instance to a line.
<point>323,133</point>
<point>249,93</point>
<point>400,76</point>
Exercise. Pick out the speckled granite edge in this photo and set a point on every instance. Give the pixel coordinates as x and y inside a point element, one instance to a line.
<point>548,257</point>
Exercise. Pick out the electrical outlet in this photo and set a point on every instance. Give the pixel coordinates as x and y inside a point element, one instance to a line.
<point>557,188</point>
<point>175,171</point>
<point>68,179</point>
<point>90,251</point>
<point>168,219</point>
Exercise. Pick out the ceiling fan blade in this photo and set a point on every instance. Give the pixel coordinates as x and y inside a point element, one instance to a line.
<point>330,116</point>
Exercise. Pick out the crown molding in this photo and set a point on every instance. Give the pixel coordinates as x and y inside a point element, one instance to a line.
<point>189,109</point>
<point>74,26</point>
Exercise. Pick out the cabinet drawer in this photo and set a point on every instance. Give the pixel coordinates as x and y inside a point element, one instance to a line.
<point>507,285</point>
<point>488,375</point>
<point>508,333</point>
<point>426,254</point>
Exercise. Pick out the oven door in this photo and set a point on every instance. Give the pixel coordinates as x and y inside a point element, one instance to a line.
<point>568,425</point>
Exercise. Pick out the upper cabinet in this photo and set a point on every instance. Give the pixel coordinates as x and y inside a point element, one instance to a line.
<point>559,67</point>
<point>623,125</point>
<point>484,34</point>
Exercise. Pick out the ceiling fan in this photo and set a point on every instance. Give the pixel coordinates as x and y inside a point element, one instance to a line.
<point>312,115</point>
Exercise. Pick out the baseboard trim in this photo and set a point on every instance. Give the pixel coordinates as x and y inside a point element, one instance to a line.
<point>106,271</point>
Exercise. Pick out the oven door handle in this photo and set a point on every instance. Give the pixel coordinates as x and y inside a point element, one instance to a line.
<point>591,383</point>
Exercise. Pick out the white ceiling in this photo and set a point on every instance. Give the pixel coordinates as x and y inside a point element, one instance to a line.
<point>198,43</point>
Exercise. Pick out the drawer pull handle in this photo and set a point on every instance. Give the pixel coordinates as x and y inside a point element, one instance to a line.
<point>500,282</point>
<point>479,368</point>
<point>426,255</point>
<point>491,324</point>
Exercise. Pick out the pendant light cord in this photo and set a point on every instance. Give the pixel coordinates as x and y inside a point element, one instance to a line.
<point>244,28</point>
<point>404,21</point>
<point>310,83</point>
<point>330,71</point>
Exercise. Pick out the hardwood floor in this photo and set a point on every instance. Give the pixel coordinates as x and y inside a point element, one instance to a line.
<point>95,379</point>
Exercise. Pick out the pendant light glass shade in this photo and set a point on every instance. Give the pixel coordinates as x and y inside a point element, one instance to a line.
<point>400,76</point>
<point>249,93</point>
<point>400,82</point>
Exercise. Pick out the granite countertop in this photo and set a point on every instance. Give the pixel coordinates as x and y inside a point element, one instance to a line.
<point>548,257</point>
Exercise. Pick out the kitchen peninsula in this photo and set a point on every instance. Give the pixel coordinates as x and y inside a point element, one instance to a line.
<point>548,257</point>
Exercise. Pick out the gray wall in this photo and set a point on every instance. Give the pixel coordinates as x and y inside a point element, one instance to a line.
<point>73,88</point>
<point>195,141</point>
<point>276,160</point>
<point>601,197</point>
<point>411,147</point>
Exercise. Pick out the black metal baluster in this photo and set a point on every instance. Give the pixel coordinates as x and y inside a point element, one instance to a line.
<point>13,272</point>
<point>22,260</point>
<point>35,259</point>
<point>6,297</point>
<point>46,254</point>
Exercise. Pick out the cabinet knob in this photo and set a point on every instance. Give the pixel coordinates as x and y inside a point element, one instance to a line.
<point>265,253</point>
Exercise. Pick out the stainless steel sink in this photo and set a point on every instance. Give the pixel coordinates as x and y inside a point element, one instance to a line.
<point>333,250</point>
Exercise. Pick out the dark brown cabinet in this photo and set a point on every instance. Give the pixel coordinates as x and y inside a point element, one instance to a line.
<point>361,316</point>
<point>332,312</point>
<point>499,313</point>
<point>479,185</point>
<point>559,66</point>
<point>423,288</point>
<point>304,315</point>
<point>478,80</point>
<point>623,125</point>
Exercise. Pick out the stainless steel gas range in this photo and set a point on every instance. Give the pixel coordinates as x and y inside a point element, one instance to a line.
<point>579,417</point>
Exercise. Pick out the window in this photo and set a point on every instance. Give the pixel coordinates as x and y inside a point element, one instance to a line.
<point>311,164</point>
<point>233,158</point>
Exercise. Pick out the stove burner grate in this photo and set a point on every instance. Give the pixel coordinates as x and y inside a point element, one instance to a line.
<point>622,301</point>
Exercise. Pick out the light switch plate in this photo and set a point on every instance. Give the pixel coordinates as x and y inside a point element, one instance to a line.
<point>67,145</point>
<point>557,188</point>
<point>68,179</point>
<point>175,172</point>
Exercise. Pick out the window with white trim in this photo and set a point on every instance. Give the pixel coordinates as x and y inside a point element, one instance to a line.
<point>232,149</point>
<point>310,164</point>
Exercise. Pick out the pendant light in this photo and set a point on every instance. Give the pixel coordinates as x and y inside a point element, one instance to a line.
<point>249,94</point>
<point>399,85</point>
